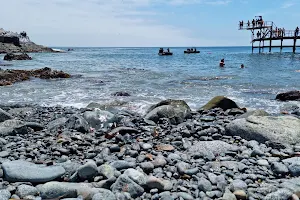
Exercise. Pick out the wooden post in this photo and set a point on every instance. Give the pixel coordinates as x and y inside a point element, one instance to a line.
<point>259,46</point>
<point>294,46</point>
<point>271,35</point>
<point>281,45</point>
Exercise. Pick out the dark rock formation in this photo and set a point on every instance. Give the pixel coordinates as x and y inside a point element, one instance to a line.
<point>123,94</point>
<point>10,39</point>
<point>289,96</point>
<point>8,77</point>
<point>11,56</point>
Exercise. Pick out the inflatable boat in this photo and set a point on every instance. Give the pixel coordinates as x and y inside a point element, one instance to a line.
<point>165,54</point>
<point>191,52</point>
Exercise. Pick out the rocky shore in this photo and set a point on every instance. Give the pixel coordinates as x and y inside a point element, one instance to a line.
<point>218,152</point>
<point>24,48</point>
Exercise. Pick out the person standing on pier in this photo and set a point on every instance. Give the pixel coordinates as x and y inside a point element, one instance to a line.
<point>297,31</point>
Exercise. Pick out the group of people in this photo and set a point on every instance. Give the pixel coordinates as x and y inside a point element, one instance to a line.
<point>254,22</point>
<point>222,63</point>
<point>192,50</point>
<point>161,50</point>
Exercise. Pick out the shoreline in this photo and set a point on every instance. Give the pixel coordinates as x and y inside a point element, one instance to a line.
<point>171,152</point>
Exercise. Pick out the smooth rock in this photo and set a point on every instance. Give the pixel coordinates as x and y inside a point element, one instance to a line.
<point>122,164</point>
<point>4,194</point>
<point>175,110</point>
<point>228,195</point>
<point>206,147</point>
<point>240,194</point>
<point>160,184</point>
<point>137,176</point>
<point>5,115</point>
<point>107,171</point>
<point>12,127</point>
<point>88,170</point>
<point>104,194</point>
<point>22,171</point>
<point>279,169</point>
<point>282,129</point>
<point>220,102</point>
<point>26,190</point>
<point>204,185</point>
<point>54,190</point>
<point>280,194</point>
<point>125,184</point>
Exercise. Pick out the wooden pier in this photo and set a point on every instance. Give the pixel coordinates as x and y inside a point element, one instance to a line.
<point>267,32</point>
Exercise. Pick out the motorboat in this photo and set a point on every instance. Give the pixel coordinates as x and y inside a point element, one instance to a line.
<point>188,51</point>
<point>161,52</point>
<point>191,52</point>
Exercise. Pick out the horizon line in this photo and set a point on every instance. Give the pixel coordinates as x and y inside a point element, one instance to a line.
<point>143,46</point>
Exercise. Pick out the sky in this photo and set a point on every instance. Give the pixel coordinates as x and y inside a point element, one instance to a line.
<point>142,23</point>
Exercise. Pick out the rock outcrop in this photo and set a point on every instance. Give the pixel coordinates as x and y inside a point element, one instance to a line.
<point>289,96</point>
<point>19,43</point>
<point>8,77</point>
<point>11,56</point>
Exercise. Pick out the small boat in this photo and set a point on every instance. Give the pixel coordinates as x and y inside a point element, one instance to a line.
<point>165,54</point>
<point>59,50</point>
<point>191,52</point>
<point>161,52</point>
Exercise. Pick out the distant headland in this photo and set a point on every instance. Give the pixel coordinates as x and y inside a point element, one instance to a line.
<point>11,42</point>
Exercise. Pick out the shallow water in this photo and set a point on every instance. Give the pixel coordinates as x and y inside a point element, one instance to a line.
<point>150,78</point>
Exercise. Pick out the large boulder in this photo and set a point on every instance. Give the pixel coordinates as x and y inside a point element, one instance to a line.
<point>57,190</point>
<point>254,113</point>
<point>23,171</point>
<point>175,110</point>
<point>11,56</point>
<point>207,148</point>
<point>4,115</point>
<point>220,102</point>
<point>12,127</point>
<point>99,118</point>
<point>289,96</point>
<point>77,123</point>
<point>280,129</point>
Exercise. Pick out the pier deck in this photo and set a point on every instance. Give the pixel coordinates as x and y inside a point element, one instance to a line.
<point>267,31</point>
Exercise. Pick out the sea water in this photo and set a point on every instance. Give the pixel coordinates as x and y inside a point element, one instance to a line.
<point>149,78</point>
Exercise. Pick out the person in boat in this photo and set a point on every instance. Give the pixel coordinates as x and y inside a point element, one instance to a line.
<point>195,49</point>
<point>168,50</point>
<point>222,63</point>
<point>192,49</point>
<point>188,50</point>
<point>161,50</point>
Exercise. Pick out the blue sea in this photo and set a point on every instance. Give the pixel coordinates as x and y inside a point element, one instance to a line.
<point>149,78</point>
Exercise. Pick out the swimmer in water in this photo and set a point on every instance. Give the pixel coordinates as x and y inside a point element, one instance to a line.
<point>222,63</point>
<point>242,66</point>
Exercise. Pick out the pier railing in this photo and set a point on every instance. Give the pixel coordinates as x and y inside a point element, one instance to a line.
<point>278,34</point>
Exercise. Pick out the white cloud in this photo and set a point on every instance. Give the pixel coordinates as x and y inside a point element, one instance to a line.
<point>288,5</point>
<point>98,22</point>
